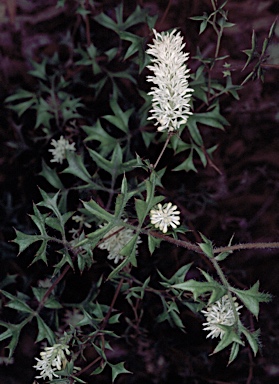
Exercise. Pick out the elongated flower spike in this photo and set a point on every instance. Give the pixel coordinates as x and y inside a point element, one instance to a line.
<point>171,94</point>
<point>52,359</point>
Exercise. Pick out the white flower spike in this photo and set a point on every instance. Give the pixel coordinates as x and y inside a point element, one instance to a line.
<point>52,359</point>
<point>59,150</point>
<point>163,216</point>
<point>220,312</point>
<point>171,94</point>
<point>115,240</point>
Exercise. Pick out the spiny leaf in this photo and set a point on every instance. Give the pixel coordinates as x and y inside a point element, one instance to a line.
<point>117,369</point>
<point>230,336</point>
<point>200,288</point>
<point>44,332</point>
<point>252,297</point>
<point>24,241</point>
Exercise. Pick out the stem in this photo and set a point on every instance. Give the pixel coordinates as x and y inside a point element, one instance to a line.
<point>227,286</point>
<point>219,36</point>
<point>164,15</point>
<point>106,319</point>
<point>50,289</point>
<point>88,366</point>
<point>194,247</point>
<point>87,26</point>
<point>111,193</point>
<point>163,150</point>
<point>56,282</point>
<point>237,247</point>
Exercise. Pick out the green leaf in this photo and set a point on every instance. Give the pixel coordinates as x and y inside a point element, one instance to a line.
<point>250,52</point>
<point>120,119</point>
<point>44,113</point>
<point>76,167</point>
<point>153,243</point>
<point>106,21</point>
<point>111,166</point>
<point>51,302</point>
<point>68,108</point>
<point>187,165</point>
<point>39,220</point>
<point>136,43</point>
<point>139,15</point>
<point>179,276</point>
<point>19,95</point>
<point>252,338</point>
<point>193,129</point>
<point>51,176</point>
<point>137,47</point>
<point>129,251</point>
<point>229,337</point>
<point>22,107</point>
<point>177,320</point>
<point>97,133</point>
<point>24,241</point>
<point>39,70</point>
<point>211,118</point>
<point>13,331</point>
<point>140,209</point>
<point>203,26</point>
<point>92,208</point>
<point>206,247</point>
<point>16,303</point>
<point>223,255</point>
<point>234,352</point>
<point>44,332</point>
<point>171,314</point>
<point>41,253</point>
<point>66,258</point>
<point>115,166</point>
<point>117,369</point>
<point>200,288</point>
<point>252,297</point>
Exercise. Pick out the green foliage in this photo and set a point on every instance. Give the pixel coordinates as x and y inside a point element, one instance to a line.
<point>260,57</point>
<point>251,298</point>
<point>109,182</point>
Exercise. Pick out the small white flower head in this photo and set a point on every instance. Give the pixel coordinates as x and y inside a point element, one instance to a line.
<point>52,359</point>
<point>59,150</point>
<point>163,216</point>
<point>220,312</point>
<point>171,94</point>
<point>115,240</point>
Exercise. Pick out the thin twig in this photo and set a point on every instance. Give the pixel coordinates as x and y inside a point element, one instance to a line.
<point>163,150</point>
<point>164,15</point>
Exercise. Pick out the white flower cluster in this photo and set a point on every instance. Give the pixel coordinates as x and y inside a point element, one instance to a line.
<point>171,94</point>
<point>115,240</point>
<point>163,216</point>
<point>52,359</point>
<point>59,150</point>
<point>220,312</point>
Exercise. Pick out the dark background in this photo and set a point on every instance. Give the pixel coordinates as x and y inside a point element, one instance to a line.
<point>242,200</point>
